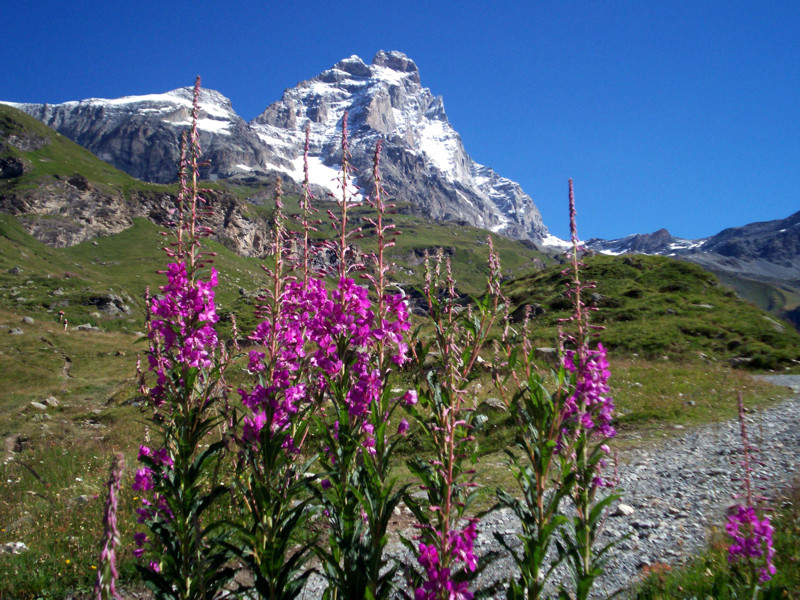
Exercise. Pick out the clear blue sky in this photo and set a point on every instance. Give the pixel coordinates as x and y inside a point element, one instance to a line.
<point>677,114</point>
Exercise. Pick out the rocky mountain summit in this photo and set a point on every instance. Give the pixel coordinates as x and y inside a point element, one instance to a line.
<point>660,242</point>
<point>424,161</point>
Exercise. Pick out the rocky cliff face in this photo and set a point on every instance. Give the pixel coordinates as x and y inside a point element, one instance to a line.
<point>424,161</point>
<point>61,207</point>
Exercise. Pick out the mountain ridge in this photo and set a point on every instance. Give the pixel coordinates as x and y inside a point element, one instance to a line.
<point>423,163</point>
<point>760,260</point>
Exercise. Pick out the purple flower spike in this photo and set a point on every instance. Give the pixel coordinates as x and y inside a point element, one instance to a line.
<point>751,540</point>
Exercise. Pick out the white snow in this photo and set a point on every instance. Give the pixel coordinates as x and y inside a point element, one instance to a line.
<point>437,143</point>
<point>501,225</point>
<point>178,97</point>
<point>555,242</point>
<point>245,168</point>
<point>211,125</point>
<point>388,75</point>
<point>320,174</point>
<point>165,102</point>
<point>686,244</point>
<point>464,199</point>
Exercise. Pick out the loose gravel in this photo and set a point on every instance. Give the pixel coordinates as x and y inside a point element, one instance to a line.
<point>678,490</point>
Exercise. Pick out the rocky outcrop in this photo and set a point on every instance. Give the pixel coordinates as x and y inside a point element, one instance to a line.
<point>62,212</point>
<point>659,242</point>
<point>12,166</point>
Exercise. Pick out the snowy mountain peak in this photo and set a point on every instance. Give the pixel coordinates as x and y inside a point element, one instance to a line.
<point>424,161</point>
<point>424,158</point>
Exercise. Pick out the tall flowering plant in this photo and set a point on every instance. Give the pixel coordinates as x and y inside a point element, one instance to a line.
<point>185,385</point>
<point>325,356</point>
<point>561,437</point>
<point>446,364</point>
<point>359,343</point>
<point>586,416</point>
<point>105,587</point>
<point>271,475</point>
<point>750,534</point>
<point>543,472</point>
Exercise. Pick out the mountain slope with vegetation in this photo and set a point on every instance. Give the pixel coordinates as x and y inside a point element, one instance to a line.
<point>657,306</point>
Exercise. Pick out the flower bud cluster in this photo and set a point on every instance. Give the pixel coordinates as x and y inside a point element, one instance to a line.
<point>107,574</point>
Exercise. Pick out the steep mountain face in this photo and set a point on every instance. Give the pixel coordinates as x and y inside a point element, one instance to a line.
<point>774,241</point>
<point>423,162</point>
<point>141,135</point>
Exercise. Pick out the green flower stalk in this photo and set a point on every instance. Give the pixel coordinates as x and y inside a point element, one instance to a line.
<point>586,418</point>
<point>445,367</point>
<point>750,536</point>
<point>544,475</point>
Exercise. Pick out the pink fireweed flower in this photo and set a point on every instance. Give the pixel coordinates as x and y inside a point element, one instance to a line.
<point>143,480</point>
<point>402,428</point>
<point>256,364</point>
<point>252,427</point>
<point>462,543</point>
<point>591,405</point>
<point>140,539</point>
<point>162,457</point>
<point>751,540</point>
<point>181,327</point>
<point>328,332</point>
<point>439,582</point>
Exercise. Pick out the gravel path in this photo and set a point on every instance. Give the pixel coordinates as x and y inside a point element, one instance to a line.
<point>678,490</point>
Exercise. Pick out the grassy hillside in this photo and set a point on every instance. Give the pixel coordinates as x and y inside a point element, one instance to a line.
<point>38,280</point>
<point>656,306</point>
